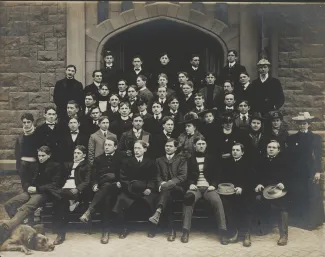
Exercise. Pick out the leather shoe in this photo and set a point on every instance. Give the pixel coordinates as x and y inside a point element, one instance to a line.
<point>283,241</point>
<point>124,234</point>
<point>172,235</point>
<point>247,241</point>
<point>185,237</point>
<point>224,240</point>
<point>105,237</point>
<point>234,238</point>
<point>151,234</point>
<point>59,239</point>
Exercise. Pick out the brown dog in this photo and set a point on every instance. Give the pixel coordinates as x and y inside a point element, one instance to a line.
<point>24,238</point>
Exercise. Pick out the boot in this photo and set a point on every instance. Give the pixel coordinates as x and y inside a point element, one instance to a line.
<point>171,236</point>
<point>59,238</point>
<point>124,233</point>
<point>155,218</point>
<point>247,241</point>
<point>15,220</point>
<point>86,216</point>
<point>105,237</point>
<point>185,236</point>
<point>223,240</point>
<point>283,228</point>
<point>234,238</point>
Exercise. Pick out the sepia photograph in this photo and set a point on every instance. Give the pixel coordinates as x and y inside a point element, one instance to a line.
<point>162,129</point>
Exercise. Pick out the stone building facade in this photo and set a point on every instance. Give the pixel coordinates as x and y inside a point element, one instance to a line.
<point>38,39</point>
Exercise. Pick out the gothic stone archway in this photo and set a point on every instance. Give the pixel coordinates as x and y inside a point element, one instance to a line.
<point>97,35</point>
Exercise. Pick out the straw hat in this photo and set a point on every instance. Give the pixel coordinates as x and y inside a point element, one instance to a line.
<point>263,62</point>
<point>226,189</point>
<point>303,116</point>
<point>273,192</point>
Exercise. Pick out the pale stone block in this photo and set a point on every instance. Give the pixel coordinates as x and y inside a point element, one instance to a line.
<point>172,10</point>
<point>229,33</point>
<point>118,22</point>
<point>218,27</point>
<point>129,16</point>
<point>184,12</point>
<point>108,26</point>
<point>90,56</point>
<point>91,44</point>
<point>163,8</point>
<point>200,19</point>
<point>141,13</point>
<point>91,13</point>
<point>152,10</point>
<point>115,6</point>
<point>97,32</point>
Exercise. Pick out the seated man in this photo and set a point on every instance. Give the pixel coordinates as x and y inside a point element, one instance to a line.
<point>272,170</point>
<point>172,173</point>
<point>105,184</point>
<point>75,188</point>
<point>26,151</point>
<point>138,179</point>
<point>237,170</point>
<point>44,185</point>
<point>203,172</point>
<point>128,138</point>
<point>96,140</point>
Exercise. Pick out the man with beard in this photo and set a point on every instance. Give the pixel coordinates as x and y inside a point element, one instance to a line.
<point>67,89</point>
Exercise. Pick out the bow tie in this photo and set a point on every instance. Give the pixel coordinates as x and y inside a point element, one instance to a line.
<point>74,132</point>
<point>109,155</point>
<point>199,154</point>
<point>137,69</point>
<point>95,122</point>
<point>229,108</point>
<point>169,134</point>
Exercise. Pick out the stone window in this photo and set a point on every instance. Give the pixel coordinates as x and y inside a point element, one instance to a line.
<point>222,13</point>
<point>126,5</point>
<point>102,11</point>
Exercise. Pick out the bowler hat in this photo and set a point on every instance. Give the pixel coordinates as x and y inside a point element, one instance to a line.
<point>190,117</point>
<point>263,62</point>
<point>273,192</point>
<point>137,187</point>
<point>226,189</point>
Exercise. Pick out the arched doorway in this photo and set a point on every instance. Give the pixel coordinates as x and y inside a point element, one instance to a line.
<point>178,40</point>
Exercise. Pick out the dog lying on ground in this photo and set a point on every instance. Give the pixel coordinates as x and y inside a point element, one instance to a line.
<point>24,238</point>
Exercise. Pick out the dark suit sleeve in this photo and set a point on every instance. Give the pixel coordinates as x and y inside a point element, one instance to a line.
<point>279,99</point>
<point>124,176</point>
<point>318,152</point>
<point>56,172</point>
<point>159,173</point>
<point>182,172</point>
<point>56,94</point>
<point>81,95</point>
<point>94,172</point>
<point>122,144</point>
<point>152,181</point>
<point>191,172</point>
<point>81,187</point>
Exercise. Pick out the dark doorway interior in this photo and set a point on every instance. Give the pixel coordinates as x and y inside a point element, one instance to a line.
<point>178,40</point>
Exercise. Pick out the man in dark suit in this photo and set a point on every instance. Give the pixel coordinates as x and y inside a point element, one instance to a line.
<point>203,172</point>
<point>94,87</point>
<point>90,102</point>
<point>211,92</point>
<point>96,140</point>
<point>142,109</point>
<point>49,133</point>
<point>186,101</point>
<point>122,90</point>
<point>196,72</point>
<point>244,91</point>
<point>268,93</point>
<point>75,188</point>
<point>90,124</point>
<point>71,139</point>
<point>229,102</point>
<point>132,98</point>
<point>232,70</point>
<point>136,71</point>
<point>67,89</point>
<point>154,124</point>
<point>111,73</point>
<point>161,96</point>
<point>172,174</point>
<point>105,184</point>
<point>128,138</point>
<point>199,103</point>
<point>143,91</point>
<point>243,118</point>
<point>113,108</point>
<point>139,184</point>
<point>182,79</point>
<point>72,111</point>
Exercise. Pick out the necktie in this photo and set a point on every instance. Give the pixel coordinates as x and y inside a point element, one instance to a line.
<point>137,69</point>
<point>95,122</point>
<point>169,134</point>
<point>156,117</point>
<point>139,161</point>
<point>244,119</point>
<point>105,134</point>
<point>51,126</point>
<point>74,132</point>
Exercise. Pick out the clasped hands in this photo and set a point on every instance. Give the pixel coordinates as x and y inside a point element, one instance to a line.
<point>95,187</point>
<point>194,187</point>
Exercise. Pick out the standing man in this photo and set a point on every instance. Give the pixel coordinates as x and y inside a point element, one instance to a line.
<point>232,70</point>
<point>67,89</point>
<point>94,87</point>
<point>111,73</point>
<point>144,92</point>
<point>305,152</point>
<point>211,91</point>
<point>268,93</point>
<point>136,71</point>
<point>171,177</point>
<point>196,72</point>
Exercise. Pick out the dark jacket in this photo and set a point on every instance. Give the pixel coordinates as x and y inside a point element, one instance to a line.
<point>128,139</point>
<point>244,94</point>
<point>144,171</point>
<point>120,126</point>
<point>174,170</point>
<point>67,146</point>
<point>232,73</point>
<point>111,76</point>
<point>106,169</point>
<point>216,92</point>
<point>92,88</point>
<point>32,146</point>
<point>66,90</point>
<point>81,175</point>
<point>196,76</point>
<point>186,105</point>
<point>159,140</point>
<point>132,76</point>
<point>48,178</point>
<point>240,173</point>
<point>211,170</point>
<point>268,96</point>
<point>153,126</point>
<point>112,116</point>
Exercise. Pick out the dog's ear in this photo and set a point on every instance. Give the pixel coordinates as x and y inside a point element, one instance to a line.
<point>39,229</point>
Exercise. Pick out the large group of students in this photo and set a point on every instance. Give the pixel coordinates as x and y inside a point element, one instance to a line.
<point>155,137</point>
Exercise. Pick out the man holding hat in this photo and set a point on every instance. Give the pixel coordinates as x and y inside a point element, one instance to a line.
<point>305,151</point>
<point>268,93</point>
<point>272,181</point>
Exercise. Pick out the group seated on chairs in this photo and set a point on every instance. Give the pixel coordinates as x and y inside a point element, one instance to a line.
<point>116,145</point>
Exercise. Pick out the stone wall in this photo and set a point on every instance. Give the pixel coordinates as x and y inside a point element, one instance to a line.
<point>32,58</point>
